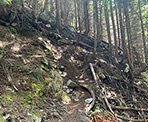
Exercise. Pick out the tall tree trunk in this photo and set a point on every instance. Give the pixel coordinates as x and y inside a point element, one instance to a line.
<point>114,29</point>
<point>62,9</point>
<point>34,10</point>
<point>94,19</point>
<point>128,31</point>
<point>117,22</point>
<point>58,19</point>
<point>86,16</point>
<point>122,30</point>
<point>79,19</point>
<point>76,20</point>
<point>96,23</point>
<point>100,22</point>
<point>143,32</point>
<point>107,24</point>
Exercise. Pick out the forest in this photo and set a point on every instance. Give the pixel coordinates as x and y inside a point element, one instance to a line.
<point>73,60</point>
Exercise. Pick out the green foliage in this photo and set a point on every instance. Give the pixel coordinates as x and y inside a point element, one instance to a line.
<point>5,2</point>
<point>2,119</point>
<point>36,74</point>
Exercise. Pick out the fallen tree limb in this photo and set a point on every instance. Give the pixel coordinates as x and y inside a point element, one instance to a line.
<point>129,108</point>
<point>104,94</point>
<point>87,109</point>
<point>131,120</point>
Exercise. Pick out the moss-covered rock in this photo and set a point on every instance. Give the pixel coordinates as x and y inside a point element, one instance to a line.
<point>54,84</point>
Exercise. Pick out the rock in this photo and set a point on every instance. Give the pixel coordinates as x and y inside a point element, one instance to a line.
<point>64,74</point>
<point>71,83</point>
<point>65,98</point>
<point>54,84</point>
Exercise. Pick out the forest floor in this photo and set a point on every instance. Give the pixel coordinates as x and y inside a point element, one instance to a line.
<point>26,64</point>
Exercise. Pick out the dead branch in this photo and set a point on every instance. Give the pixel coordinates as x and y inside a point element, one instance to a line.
<point>104,94</point>
<point>131,120</point>
<point>87,109</point>
<point>129,108</point>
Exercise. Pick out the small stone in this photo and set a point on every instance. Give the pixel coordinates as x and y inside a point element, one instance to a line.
<point>88,100</point>
<point>41,110</point>
<point>68,91</point>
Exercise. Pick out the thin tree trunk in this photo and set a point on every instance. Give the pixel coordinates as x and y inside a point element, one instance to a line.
<point>114,29</point>
<point>107,24</point>
<point>76,20</point>
<point>79,19</point>
<point>34,10</point>
<point>62,9</point>
<point>86,16</point>
<point>58,22</point>
<point>143,32</point>
<point>96,23</point>
<point>128,31</point>
<point>117,20</point>
<point>122,28</point>
<point>94,19</point>
<point>100,22</point>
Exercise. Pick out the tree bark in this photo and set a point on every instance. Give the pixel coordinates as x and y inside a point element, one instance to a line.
<point>79,19</point>
<point>107,24</point>
<point>86,16</point>
<point>58,19</point>
<point>114,30</point>
<point>122,30</point>
<point>96,24</point>
<point>76,20</point>
<point>128,31</point>
<point>143,32</point>
<point>117,22</point>
<point>34,10</point>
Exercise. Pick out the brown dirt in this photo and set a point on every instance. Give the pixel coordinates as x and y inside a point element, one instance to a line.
<point>76,64</point>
